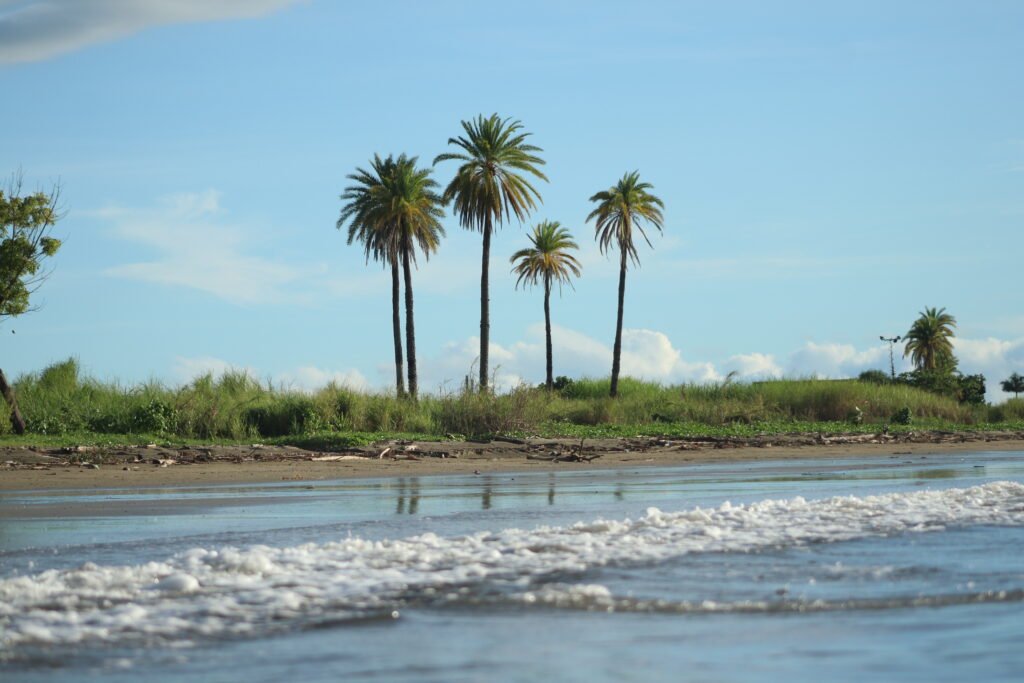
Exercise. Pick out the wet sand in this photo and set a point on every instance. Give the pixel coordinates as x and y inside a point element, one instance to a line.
<point>28,469</point>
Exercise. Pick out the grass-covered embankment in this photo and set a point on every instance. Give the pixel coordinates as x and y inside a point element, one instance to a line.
<point>62,407</point>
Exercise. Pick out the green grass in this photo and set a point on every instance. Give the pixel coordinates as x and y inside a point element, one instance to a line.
<point>63,408</point>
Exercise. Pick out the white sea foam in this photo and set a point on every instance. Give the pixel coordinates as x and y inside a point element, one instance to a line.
<point>221,592</point>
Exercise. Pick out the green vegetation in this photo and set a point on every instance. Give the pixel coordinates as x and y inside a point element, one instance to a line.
<point>620,210</point>
<point>489,188</point>
<point>62,407</point>
<point>548,259</point>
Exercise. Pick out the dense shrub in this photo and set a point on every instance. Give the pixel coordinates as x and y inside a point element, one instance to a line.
<point>875,377</point>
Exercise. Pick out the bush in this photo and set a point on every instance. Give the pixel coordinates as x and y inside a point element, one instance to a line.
<point>969,389</point>
<point>875,377</point>
<point>901,417</point>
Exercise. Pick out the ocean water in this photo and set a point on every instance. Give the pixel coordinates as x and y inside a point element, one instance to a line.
<point>897,568</point>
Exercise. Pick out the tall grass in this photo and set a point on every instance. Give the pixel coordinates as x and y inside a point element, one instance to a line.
<point>59,400</point>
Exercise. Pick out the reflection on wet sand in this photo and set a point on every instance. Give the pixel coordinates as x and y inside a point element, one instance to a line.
<point>407,500</point>
<point>408,490</point>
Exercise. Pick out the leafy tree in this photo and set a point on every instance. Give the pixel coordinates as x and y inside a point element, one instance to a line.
<point>620,210</point>
<point>929,342</point>
<point>1014,383</point>
<point>25,241</point>
<point>489,188</point>
<point>546,261</point>
<point>393,211</point>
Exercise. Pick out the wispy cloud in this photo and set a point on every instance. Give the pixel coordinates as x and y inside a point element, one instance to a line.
<point>34,30</point>
<point>200,249</point>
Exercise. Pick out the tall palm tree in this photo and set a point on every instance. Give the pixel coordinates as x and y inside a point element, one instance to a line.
<point>929,342</point>
<point>620,211</point>
<point>415,212</point>
<point>489,188</point>
<point>546,261</point>
<point>363,210</point>
<point>399,212</point>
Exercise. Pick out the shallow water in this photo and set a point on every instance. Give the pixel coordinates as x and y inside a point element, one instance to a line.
<point>896,568</point>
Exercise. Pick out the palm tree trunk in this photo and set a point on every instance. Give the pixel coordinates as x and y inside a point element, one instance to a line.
<point>485,305</point>
<point>17,421</point>
<point>547,329</point>
<point>410,327</point>
<point>617,349</point>
<point>396,326</point>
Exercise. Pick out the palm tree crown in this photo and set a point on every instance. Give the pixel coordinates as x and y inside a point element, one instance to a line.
<point>392,208</point>
<point>548,260</point>
<point>617,212</point>
<point>488,188</point>
<point>929,342</point>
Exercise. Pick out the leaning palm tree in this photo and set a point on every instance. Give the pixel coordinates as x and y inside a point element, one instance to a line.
<point>619,211</point>
<point>488,189</point>
<point>362,212</point>
<point>929,342</point>
<point>399,212</point>
<point>546,261</point>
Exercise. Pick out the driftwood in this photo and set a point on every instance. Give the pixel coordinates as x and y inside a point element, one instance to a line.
<point>574,455</point>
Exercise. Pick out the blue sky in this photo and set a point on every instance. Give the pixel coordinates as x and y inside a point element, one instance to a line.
<point>828,170</point>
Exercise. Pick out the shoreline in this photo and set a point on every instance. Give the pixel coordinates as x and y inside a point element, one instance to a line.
<point>34,469</point>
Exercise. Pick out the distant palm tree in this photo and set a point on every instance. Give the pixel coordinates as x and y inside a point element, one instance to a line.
<point>619,211</point>
<point>488,189</point>
<point>392,213</point>
<point>929,342</point>
<point>546,261</point>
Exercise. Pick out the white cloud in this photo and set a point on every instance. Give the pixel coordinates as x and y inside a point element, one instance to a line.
<point>33,30</point>
<point>995,358</point>
<point>839,360</point>
<point>304,378</point>
<point>311,378</point>
<point>646,354</point>
<point>753,366</point>
<point>187,369</point>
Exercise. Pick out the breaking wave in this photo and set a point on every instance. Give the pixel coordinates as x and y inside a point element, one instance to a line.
<point>242,592</point>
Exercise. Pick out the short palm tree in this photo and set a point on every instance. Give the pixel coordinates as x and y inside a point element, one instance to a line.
<point>621,210</point>
<point>546,261</point>
<point>489,188</point>
<point>929,342</point>
<point>393,211</point>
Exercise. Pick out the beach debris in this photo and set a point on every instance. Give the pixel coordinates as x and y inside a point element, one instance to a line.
<point>334,458</point>
<point>384,452</point>
<point>163,462</point>
<point>575,454</point>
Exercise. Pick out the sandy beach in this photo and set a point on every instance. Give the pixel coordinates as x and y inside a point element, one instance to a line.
<point>150,465</point>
